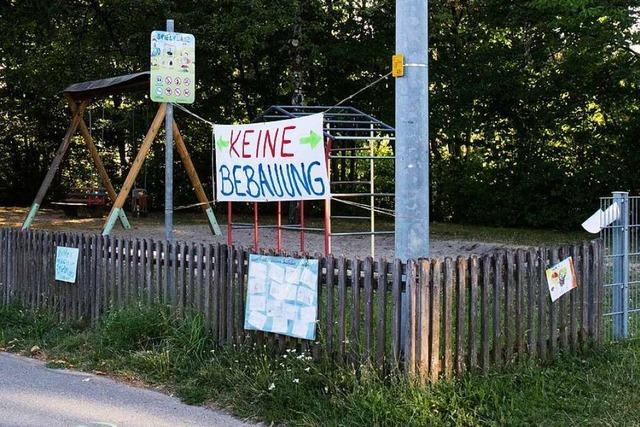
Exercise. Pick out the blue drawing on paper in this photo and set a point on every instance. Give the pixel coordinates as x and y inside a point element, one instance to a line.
<point>66,264</point>
<point>282,296</point>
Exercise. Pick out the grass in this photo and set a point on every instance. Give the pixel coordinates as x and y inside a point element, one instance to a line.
<point>149,345</point>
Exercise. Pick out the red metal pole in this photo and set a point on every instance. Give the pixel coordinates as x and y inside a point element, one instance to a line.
<point>229,226</point>
<point>327,203</point>
<point>279,227</point>
<point>256,239</point>
<point>302,226</point>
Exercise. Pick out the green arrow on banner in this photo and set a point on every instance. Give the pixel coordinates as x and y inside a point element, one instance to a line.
<point>222,143</point>
<point>313,140</point>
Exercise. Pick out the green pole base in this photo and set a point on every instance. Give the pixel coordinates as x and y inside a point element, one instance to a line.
<point>213,223</point>
<point>32,214</point>
<point>111,221</point>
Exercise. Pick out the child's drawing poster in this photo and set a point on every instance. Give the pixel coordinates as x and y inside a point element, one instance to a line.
<point>173,67</point>
<point>282,296</point>
<point>561,278</point>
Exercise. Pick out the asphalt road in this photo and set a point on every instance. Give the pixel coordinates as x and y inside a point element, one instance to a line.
<point>33,395</point>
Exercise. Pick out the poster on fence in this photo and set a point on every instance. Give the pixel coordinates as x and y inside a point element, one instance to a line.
<point>282,296</point>
<point>66,264</point>
<point>561,278</point>
<point>273,161</point>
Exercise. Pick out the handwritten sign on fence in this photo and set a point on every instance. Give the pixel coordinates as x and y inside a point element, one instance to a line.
<point>274,161</point>
<point>282,296</point>
<point>66,264</point>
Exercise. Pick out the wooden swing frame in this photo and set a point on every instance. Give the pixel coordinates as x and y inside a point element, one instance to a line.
<point>79,96</point>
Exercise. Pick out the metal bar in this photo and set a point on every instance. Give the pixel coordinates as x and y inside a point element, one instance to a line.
<point>412,139</point>
<point>350,182</point>
<point>229,224</point>
<point>372,188</point>
<point>621,266</point>
<point>256,228</point>
<point>168,165</point>
<point>363,233</point>
<point>361,129</point>
<point>302,229</point>
<point>361,138</point>
<point>362,194</point>
<point>348,149</point>
<point>364,157</point>
<point>327,205</point>
<point>349,217</point>
<point>279,226</point>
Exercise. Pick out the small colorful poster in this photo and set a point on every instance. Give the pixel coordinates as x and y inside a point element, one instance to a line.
<point>561,278</point>
<point>66,264</point>
<point>283,160</point>
<point>173,67</point>
<point>282,296</point>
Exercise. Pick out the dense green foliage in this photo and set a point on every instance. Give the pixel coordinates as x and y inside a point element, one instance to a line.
<point>533,103</point>
<point>595,388</point>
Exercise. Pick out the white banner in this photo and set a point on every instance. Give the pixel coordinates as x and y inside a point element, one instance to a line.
<point>273,161</point>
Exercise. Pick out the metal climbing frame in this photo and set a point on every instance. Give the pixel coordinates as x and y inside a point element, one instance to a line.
<point>353,142</point>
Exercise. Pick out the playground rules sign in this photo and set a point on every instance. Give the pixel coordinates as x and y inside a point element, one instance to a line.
<point>173,67</point>
<point>274,161</point>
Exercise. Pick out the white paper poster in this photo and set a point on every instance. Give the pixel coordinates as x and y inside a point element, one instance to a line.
<point>561,278</point>
<point>282,296</point>
<point>272,161</point>
<point>66,264</point>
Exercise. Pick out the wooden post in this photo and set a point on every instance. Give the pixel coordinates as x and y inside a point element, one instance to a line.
<point>55,164</point>
<point>104,176</point>
<point>135,168</point>
<point>195,181</point>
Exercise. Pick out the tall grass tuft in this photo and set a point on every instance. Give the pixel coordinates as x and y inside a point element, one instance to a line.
<point>177,353</point>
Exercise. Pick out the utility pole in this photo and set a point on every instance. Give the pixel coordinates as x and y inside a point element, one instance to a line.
<point>168,165</point>
<point>412,132</point>
<point>410,67</point>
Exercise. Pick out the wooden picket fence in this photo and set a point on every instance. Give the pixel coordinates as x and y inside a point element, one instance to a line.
<point>469,313</point>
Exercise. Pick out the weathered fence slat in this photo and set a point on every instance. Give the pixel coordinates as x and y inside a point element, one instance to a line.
<point>473,312</point>
<point>461,301</point>
<point>461,314</point>
<point>368,308</point>
<point>423,329</point>
<point>342,304</point>
<point>381,327</point>
<point>354,336</point>
<point>484,321</point>
<point>509,320</point>
<point>498,292</point>
<point>447,316</point>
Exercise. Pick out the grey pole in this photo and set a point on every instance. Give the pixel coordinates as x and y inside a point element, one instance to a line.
<point>412,132</point>
<point>412,138</point>
<point>620,289</point>
<point>168,187</point>
<point>168,166</point>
